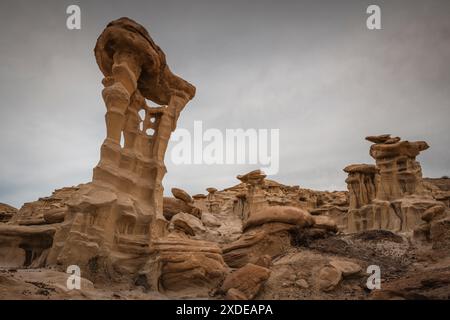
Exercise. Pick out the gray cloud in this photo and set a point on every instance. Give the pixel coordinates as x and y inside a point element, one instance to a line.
<point>309,68</point>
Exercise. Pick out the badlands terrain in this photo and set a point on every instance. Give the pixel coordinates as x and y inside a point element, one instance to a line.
<point>258,239</point>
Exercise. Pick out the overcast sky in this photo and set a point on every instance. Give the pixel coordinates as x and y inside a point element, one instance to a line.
<point>309,68</point>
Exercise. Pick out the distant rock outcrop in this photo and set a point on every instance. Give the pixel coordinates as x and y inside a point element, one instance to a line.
<point>390,195</point>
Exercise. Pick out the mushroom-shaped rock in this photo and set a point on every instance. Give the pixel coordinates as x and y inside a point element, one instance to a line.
<point>181,194</point>
<point>254,177</point>
<point>361,168</point>
<point>211,190</point>
<point>156,82</point>
<point>379,139</point>
<point>283,214</point>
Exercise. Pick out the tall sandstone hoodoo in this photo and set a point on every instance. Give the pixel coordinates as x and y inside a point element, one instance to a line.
<point>112,221</point>
<point>391,194</point>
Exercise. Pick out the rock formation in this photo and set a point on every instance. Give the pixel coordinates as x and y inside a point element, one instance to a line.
<point>259,239</point>
<point>6,212</point>
<point>112,221</point>
<point>115,227</point>
<point>390,195</point>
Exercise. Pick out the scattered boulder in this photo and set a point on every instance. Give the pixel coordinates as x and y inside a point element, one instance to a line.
<point>346,267</point>
<point>302,283</point>
<point>248,280</point>
<point>328,278</point>
<point>172,206</point>
<point>188,223</point>
<point>210,220</point>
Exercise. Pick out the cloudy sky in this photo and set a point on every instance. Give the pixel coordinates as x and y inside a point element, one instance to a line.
<point>309,68</point>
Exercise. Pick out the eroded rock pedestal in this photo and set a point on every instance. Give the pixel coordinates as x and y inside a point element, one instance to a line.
<point>116,223</point>
<point>389,195</point>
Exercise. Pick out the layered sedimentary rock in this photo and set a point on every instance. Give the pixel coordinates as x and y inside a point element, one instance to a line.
<point>246,282</point>
<point>115,226</point>
<point>361,184</point>
<point>25,246</point>
<point>256,200</point>
<point>390,195</point>
<point>271,232</point>
<point>112,221</point>
<point>180,266</point>
<point>45,210</point>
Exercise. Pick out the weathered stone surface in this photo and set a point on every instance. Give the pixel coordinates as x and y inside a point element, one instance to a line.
<point>433,213</point>
<point>55,215</point>
<point>24,246</point>
<point>173,206</point>
<point>361,184</point>
<point>282,214</point>
<point>347,268</point>
<point>302,283</point>
<point>32,213</point>
<point>440,234</point>
<point>235,294</point>
<point>111,222</point>
<point>6,212</point>
<point>210,220</point>
<point>271,239</point>
<point>324,222</point>
<point>182,266</point>
<point>248,280</point>
<point>188,223</point>
<point>182,195</point>
<point>425,285</point>
<point>255,197</point>
<point>390,195</point>
<point>379,139</point>
<point>328,278</point>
